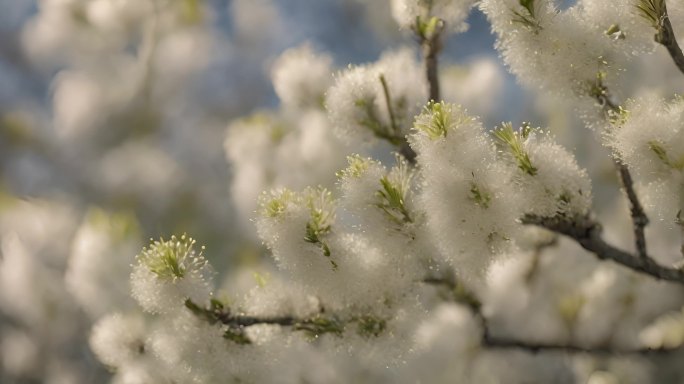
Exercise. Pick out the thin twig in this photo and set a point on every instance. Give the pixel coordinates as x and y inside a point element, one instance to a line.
<point>404,148</point>
<point>315,325</point>
<point>408,152</point>
<point>587,233</point>
<point>388,102</point>
<point>431,45</point>
<point>665,36</point>
<point>639,218</point>
<point>496,342</point>
<point>431,48</point>
<point>217,313</point>
<point>502,342</point>
<point>247,321</point>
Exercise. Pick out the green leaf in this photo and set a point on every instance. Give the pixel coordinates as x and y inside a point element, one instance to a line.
<point>528,17</point>
<point>357,167</point>
<point>657,148</point>
<point>370,326</point>
<point>433,26</point>
<point>529,6</point>
<point>615,32</point>
<point>479,196</point>
<point>208,315</point>
<point>372,122</point>
<point>237,336</point>
<point>652,10</point>
<point>436,120</point>
<point>395,188</point>
<point>319,325</point>
<point>322,214</point>
<point>514,142</point>
<point>273,204</point>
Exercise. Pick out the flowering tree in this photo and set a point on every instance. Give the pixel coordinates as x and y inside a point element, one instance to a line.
<point>475,255</point>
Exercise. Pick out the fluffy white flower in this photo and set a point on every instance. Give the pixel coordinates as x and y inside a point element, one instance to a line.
<point>250,146</point>
<point>447,345</point>
<point>301,77</point>
<point>118,339</point>
<point>549,180</point>
<point>154,177</point>
<point>453,12</point>
<point>648,139</point>
<point>168,273</point>
<point>269,151</point>
<point>102,252</point>
<point>358,101</point>
<point>621,22</point>
<point>464,188</point>
<point>551,49</point>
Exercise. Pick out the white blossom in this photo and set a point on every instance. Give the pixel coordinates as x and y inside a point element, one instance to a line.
<point>103,250</point>
<point>647,138</point>
<point>168,273</point>
<point>463,188</point>
<point>452,13</point>
<point>118,339</point>
<point>301,77</point>
<point>377,100</point>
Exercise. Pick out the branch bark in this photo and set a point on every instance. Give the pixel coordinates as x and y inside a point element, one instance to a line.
<point>505,343</point>
<point>639,218</point>
<point>665,36</point>
<point>395,136</point>
<point>534,347</point>
<point>431,47</point>
<point>587,233</point>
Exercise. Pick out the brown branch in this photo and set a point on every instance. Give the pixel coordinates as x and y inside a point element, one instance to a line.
<point>217,313</point>
<point>666,37</point>
<point>408,152</point>
<point>639,218</point>
<point>404,148</point>
<point>388,103</point>
<point>503,342</point>
<point>430,40</point>
<point>587,233</point>
<point>431,44</point>
<point>315,325</point>
<point>431,47</point>
<point>496,342</point>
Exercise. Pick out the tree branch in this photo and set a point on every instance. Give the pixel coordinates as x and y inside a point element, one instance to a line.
<point>495,342</point>
<point>431,47</point>
<point>404,148</point>
<point>587,233</point>
<point>502,342</point>
<point>408,152</point>
<point>639,218</point>
<point>430,38</point>
<point>314,325</point>
<point>665,36</point>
